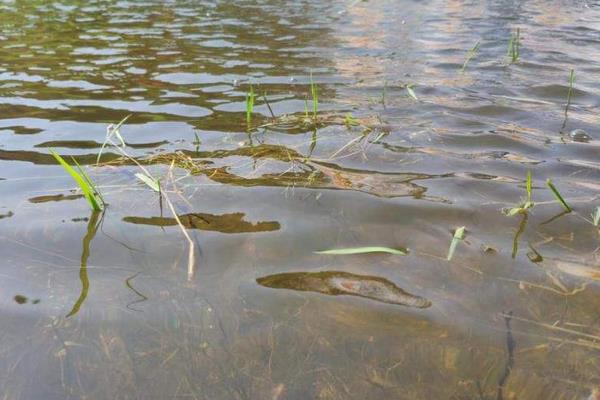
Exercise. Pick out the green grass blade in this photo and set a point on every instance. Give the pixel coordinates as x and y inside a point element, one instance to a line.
<point>529,186</point>
<point>364,250</point>
<point>411,92</point>
<point>152,183</point>
<point>88,180</point>
<point>470,56</point>
<point>560,199</point>
<point>459,234</point>
<point>314,91</point>
<point>596,216</point>
<point>249,104</point>
<point>87,190</point>
<point>570,92</point>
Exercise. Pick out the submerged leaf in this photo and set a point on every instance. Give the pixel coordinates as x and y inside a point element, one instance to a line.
<point>363,250</point>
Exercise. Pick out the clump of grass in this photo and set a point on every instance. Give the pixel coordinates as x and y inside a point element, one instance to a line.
<point>349,120</point>
<point>82,179</point>
<point>558,196</point>
<point>250,97</point>
<point>525,204</point>
<point>314,92</point>
<point>514,46</point>
<point>570,92</point>
<point>470,55</point>
<point>459,234</point>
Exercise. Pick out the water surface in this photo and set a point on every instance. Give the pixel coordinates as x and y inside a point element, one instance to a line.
<point>102,305</point>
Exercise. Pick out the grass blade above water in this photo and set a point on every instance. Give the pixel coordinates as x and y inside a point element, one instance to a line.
<point>558,196</point>
<point>153,184</point>
<point>364,250</point>
<point>84,182</point>
<point>459,234</point>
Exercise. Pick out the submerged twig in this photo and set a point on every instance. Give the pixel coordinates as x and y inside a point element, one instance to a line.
<point>191,253</point>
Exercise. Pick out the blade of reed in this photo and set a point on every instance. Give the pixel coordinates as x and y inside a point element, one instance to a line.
<point>363,250</point>
<point>558,196</point>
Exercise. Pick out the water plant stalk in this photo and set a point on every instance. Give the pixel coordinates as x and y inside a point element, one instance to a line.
<point>90,192</point>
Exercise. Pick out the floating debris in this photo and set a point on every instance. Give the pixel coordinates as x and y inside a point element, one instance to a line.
<point>336,283</point>
<point>579,135</point>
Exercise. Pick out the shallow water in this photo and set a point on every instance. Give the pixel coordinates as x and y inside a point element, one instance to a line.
<point>102,306</point>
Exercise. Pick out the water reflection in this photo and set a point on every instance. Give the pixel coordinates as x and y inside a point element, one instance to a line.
<point>92,227</point>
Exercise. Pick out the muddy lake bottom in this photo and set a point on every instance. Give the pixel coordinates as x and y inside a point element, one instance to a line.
<point>278,131</point>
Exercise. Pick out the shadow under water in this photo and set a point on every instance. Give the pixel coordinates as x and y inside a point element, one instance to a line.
<point>226,223</point>
<point>336,283</point>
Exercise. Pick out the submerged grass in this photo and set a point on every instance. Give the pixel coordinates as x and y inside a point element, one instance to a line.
<point>88,188</point>
<point>570,92</point>
<point>470,55</point>
<point>314,91</point>
<point>514,45</point>
<point>250,97</point>
<point>558,196</point>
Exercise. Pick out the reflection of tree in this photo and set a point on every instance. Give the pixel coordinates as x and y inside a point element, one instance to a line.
<point>92,228</point>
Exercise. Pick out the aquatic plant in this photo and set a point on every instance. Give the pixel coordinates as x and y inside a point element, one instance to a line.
<point>314,91</point>
<point>151,182</point>
<point>459,234</point>
<point>363,250</point>
<point>196,142</point>
<point>349,120</point>
<point>596,216</point>
<point>90,192</point>
<point>526,204</point>
<point>570,92</point>
<point>268,105</point>
<point>112,130</point>
<point>250,96</point>
<point>411,92</point>
<point>558,196</point>
<point>514,45</point>
<point>518,233</point>
<point>470,55</point>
